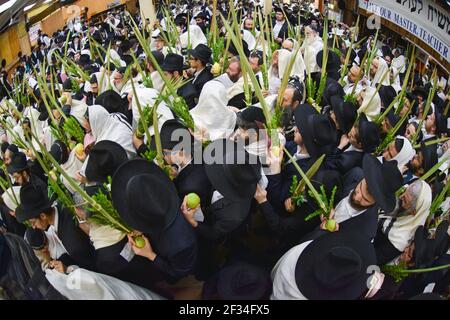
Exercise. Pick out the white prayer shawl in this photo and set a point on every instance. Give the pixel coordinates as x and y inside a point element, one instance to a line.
<point>249,39</point>
<point>395,82</point>
<point>283,275</point>
<point>270,102</point>
<point>196,37</point>
<point>104,236</point>
<point>274,80</point>
<point>382,71</point>
<point>78,110</point>
<point>311,49</point>
<point>82,284</point>
<point>11,197</point>
<point>111,127</point>
<point>71,167</point>
<point>402,231</point>
<point>116,58</point>
<point>284,58</point>
<point>371,107</point>
<point>211,112</point>
<point>148,96</point>
<point>238,88</point>
<point>157,81</point>
<point>225,80</point>
<point>32,114</point>
<point>399,63</point>
<point>103,80</point>
<point>405,155</point>
<point>48,138</point>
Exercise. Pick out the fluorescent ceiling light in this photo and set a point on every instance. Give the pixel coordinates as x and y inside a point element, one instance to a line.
<point>7,5</point>
<point>29,7</point>
<point>47,1</point>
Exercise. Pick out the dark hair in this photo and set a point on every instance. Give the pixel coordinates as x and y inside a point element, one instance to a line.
<point>49,211</point>
<point>4,146</point>
<point>93,79</point>
<point>399,144</point>
<point>257,54</point>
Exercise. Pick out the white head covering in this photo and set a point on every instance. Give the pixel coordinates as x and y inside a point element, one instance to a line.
<point>78,110</point>
<point>196,37</point>
<point>11,198</point>
<point>111,127</point>
<point>396,81</point>
<point>284,58</point>
<point>250,39</point>
<point>148,96</point>
<point>373,109</point>
<point>382,69</point>
<point>71,167</point>
<point>403,229</point>
<point>406,154</point>
<point>212,113</point>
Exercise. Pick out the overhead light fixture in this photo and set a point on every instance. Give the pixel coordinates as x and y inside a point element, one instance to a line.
<point>47,1</point>
<point>7,5</point>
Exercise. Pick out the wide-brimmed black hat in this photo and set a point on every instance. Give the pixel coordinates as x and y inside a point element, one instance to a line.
<point>172,134</point>
<point>239,281</point>
<point>318,131</point>
<point>387,95</point>
<point>233,50</point>
<point>173,62</point>
<point>429,154</point>
<point>159,57</point>
<point>33,201</point>
<point>333,62</point>
<point>334,266</point>
<point>18,163</point>
<point>232,172</point>
<point>59,152</point>
<point>369,134</point>
<point>383,180</point>
<point>111,101</point>
<point>201,52</point>
<point>420,91</point>
<point>346,113</point>
<point>104,159</point>
<point>253,114</point>
<point>36,238</point>
<point>144,196</point>
<point>394,119</point>
<point>442,124</point>
<point>332,88</point>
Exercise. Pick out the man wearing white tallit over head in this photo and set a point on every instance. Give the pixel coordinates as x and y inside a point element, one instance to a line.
<point>311,46</point>
<point>399,61</point>
<point>193,37</point>
<point>379,72</point>
<point>212,117</point>
<point>148,97</point>
<point>400,150</point>
<point>370,103</point>
<point>105,126</point>
<point>277,72</point>
<point>398,227</point>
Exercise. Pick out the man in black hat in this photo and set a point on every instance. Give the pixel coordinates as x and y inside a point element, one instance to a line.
<point>436,126</point>
<point>198,59</point>
<point>377,189</point>
<point>91,96</point>
<point>147,201</point>
<point>425,159</point>
<point>201,20</point>
<point>363,137</point>
<point>280,26</point>
<point>178,148</point>
<point>20,170</point>
<point>36,208</point>
<point>173,67</point>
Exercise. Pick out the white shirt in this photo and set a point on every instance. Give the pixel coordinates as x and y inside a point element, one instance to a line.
<point>277,28</point>
<point>55,245</point>
<point>345,211</point>
<point>283,275</point>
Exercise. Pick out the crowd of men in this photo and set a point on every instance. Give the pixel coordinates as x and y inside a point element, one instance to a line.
<point>377,129</point>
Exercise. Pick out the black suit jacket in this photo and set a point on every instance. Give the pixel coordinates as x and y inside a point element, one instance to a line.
<point>193,179</point>
<point>189,93</point>
<point>204,76</point>
<point>344,161</point>
<point>75,241</point>
<point>90,99</point>
<point>284,32</point>
<point>223,219</point>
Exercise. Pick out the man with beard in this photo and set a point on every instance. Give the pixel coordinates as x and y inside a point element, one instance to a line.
<point>311,46</point>
<point>232,74</point>
<point>376,190</point>
<point>118,80</point>
<point>425,159</point>
<point>92,95</point>
<point>351,79</point>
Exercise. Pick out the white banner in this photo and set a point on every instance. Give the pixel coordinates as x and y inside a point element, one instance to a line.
<point>422,18</point>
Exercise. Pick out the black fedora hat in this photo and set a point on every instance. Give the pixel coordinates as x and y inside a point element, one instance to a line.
<point>59,152</point>
<point>387,95</point>
<point>144,196</point>
<point>334,266</point>
<point>33,201</point>
<point>394,119</point>
<point>104,159</point>
<point>318,131</point>
<point>111,101</point>
<point>429,154</point>
<point>173,62</point>
<point>333,62</point>
<point>253,114</point>
<point>172,134</point>
<point>424,248</point>
<point>383,180</point>
<point>238,281</point>
<point>332,88</point>
<point>442,124</point>
<point>346,113</point>
<point>18,163</point>
<point>420,91</point>
<point>232,172</point>
<point>369,134</point>
<point>201,52</point>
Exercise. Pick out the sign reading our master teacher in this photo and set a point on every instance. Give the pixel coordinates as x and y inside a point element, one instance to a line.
<point>422,18</point>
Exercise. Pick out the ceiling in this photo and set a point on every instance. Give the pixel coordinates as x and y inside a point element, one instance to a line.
<point>11,10</point>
